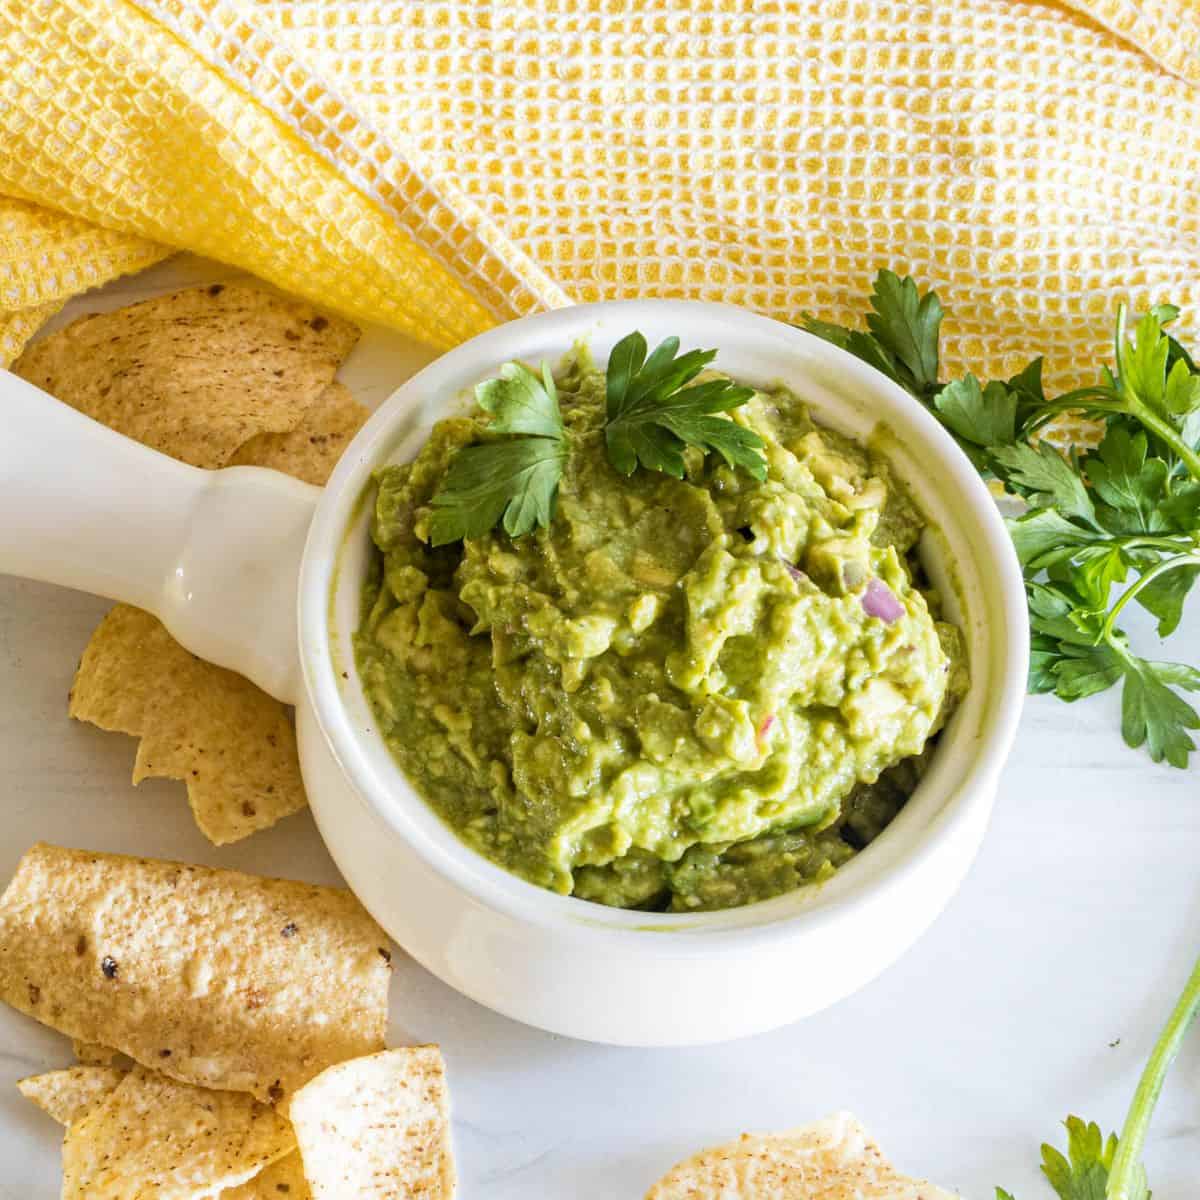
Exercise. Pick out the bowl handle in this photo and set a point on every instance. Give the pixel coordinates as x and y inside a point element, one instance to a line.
<point>215,555</point>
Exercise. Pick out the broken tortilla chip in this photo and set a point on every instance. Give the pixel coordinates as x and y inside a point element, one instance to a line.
<point>231,743</point>
<point>377,1127</point>
<point>213,977</point>
<point>282,1180</point>
<point>197,373</point>
<point>202,374</point>
<point>153,1138</point>
<point>833,1159</point>
<point>312,449</point>
<point>68,1094</point>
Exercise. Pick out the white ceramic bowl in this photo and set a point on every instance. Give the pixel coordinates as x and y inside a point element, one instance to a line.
<point>562,964</point>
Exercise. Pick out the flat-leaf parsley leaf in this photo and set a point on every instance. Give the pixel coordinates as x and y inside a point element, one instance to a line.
<point>511,478</point>
<point>654,411</point>
<point>653,414</point>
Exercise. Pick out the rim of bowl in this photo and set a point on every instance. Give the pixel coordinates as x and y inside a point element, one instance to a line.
<point>493,886</point>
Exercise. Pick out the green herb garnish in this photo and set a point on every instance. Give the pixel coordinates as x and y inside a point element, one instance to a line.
<point>1099,1168</point>
<point>1125,514</point>
<point>654,411</point>
<point>513,477</point>
<point>1084,1171</point>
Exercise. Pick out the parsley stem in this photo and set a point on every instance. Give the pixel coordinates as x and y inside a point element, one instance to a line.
<point>1167,432</point>
<point>1182,543</point>
<point>1159,568</point>
<point>1123,1178</point>
<point>1104,400</point>
<point>1090,399</point>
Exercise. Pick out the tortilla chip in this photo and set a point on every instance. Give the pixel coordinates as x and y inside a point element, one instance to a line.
<point>312,449</point>
<point>213,977</point>
<point>91,1054</point>
<point>282,1180</point>
<point>67,1095</point>
<point>377,1127</point>
<point>832,1159</point>
<point>197,373</point>
<point>157,1139</point>
<point>231,743</point>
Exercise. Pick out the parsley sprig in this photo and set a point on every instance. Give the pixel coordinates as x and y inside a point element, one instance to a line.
<point>512,478</point>
<point>654,410</point>
<point>1099,1168</point>
<point>1084,1171</point>
<point>653,414</point>
<point>1125,515</point>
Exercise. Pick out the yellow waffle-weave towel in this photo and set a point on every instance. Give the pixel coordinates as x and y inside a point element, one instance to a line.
<point>438,165</point>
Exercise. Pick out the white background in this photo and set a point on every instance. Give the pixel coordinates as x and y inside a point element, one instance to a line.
<point>1037,994</point>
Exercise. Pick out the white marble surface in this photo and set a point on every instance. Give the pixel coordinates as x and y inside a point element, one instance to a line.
<point>1037,994</point>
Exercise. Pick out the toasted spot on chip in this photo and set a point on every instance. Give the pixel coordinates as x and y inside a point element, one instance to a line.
<point>197,373</point>
<point>282,1180</point>
<point>274,1012</point>
<point>833,1159</point>
<point>312,449</point>
<point>66,1095</point>
<point>377,1127</point>
<point>92,1054</point>
<point>231,743</point>
<point>155,1137</point>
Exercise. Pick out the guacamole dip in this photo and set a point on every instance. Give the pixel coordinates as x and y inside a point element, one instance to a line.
<point>683,694</point>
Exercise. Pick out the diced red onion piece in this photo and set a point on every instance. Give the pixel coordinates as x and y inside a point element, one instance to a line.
<point>765,727</point>
<point>791,568</point>
<point>878,601</point>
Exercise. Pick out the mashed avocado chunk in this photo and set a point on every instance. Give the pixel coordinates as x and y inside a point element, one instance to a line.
<point>683,694</point>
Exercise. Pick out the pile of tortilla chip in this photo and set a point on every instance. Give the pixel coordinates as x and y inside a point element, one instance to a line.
<point>241,1021</point>
<point>834,1159</point>
<point>223,375</point>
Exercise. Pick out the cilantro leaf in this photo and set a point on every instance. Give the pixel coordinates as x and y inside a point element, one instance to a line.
<point>907,325</point>
<point>512,478</point>
<point>653,414</point>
